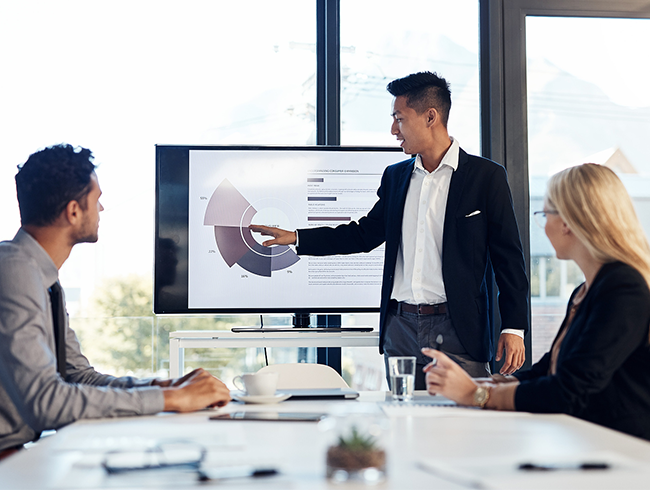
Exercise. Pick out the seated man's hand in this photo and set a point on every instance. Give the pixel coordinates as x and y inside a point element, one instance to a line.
<point>515,352</point>
<point>281,237</point>
<point>195,391</point>
<point>164,383</point>
<point>447,378</point>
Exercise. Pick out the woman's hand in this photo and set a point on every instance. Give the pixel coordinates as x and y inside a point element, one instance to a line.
<point>447,378</point>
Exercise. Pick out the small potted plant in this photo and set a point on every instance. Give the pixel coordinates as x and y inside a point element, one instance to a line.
<point>356,457</point>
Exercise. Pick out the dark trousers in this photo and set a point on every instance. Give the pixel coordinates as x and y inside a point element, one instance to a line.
<point>407,333</point>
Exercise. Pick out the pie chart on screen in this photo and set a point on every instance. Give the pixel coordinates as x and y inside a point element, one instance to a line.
<point>230,213</point>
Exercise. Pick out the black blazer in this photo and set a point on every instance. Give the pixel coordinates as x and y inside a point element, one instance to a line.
<point>477,185</point>
<point>604,361</point>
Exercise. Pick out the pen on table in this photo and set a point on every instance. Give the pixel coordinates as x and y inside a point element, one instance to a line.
<point>590,465</point>
<point>208,474</point>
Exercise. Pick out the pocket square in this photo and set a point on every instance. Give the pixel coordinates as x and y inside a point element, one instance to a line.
<point>474,213</point>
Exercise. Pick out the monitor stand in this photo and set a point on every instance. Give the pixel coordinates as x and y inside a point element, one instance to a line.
<point>301,320</point>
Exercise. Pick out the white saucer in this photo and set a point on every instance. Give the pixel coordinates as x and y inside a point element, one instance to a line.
<point>260,399</point>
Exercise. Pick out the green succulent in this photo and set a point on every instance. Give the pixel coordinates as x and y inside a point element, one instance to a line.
<point>357,442</point>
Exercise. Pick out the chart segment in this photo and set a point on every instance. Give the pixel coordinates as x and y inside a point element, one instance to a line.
<point>230,213</point>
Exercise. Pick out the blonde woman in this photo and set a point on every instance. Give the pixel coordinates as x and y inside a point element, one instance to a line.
<point>598,368</point>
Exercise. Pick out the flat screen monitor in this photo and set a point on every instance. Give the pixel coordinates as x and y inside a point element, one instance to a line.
<point>208,261</point>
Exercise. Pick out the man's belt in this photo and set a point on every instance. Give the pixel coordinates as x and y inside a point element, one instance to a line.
<point>437,309</point>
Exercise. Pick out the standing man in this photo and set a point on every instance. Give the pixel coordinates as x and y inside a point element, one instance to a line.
<point>45,381</point>
<point>444,216</point>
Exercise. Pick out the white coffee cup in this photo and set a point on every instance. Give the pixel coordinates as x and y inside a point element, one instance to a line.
<point>261,384</point>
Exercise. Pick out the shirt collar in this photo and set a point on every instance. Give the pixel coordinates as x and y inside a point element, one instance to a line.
<point>29,244</point>
<point>450,158</point>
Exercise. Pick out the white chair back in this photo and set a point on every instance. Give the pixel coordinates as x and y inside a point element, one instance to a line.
<point>302,375</point>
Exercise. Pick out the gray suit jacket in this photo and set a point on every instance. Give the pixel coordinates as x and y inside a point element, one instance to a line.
<point>33,397</point>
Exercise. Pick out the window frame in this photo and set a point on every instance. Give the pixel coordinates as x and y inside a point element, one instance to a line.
<point>504,120</point>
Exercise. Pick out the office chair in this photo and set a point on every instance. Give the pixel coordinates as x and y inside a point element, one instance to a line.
<point>293,376</point>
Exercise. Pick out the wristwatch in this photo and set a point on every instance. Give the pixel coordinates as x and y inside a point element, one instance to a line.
<point>481,396</point>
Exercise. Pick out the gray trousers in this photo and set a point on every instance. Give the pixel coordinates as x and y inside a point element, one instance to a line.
<point>407,333</point>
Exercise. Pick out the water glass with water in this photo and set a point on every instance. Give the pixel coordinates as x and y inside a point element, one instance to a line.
<point>402,377</point>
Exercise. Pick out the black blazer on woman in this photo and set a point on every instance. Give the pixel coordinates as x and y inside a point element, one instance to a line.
<point>603,367</point>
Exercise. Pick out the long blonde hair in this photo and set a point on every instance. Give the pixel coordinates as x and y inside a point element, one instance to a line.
<point>595,205</point>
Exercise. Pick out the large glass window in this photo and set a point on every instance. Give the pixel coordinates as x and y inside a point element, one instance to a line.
<point>587,102</point>
<point>380,44</point>
<point>119,77</point>
<point>382,41</point>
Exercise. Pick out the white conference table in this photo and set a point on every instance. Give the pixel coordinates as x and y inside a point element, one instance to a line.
<point>427,447</point>
<point>212,339</point>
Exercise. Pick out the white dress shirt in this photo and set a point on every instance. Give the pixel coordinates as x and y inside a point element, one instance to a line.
<point>418,271</point>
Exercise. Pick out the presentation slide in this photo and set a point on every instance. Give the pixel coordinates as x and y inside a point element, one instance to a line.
<point>229,190</point>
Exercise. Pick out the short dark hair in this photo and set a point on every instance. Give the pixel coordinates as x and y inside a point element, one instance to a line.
<point>424,90</point>
<point>50,179</point>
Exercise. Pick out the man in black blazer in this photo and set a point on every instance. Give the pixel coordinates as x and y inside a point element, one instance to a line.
<point>444,216</point>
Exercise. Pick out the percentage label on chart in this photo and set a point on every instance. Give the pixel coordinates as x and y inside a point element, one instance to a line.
<point>212,251</point>
<point>289,272</point>
<point>244,276</point>
<point>203,198</point>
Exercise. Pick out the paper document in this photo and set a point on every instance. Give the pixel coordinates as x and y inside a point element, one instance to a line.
<point>504,472</point>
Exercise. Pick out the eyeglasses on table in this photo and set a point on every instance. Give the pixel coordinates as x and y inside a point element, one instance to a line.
<point>165,454</point>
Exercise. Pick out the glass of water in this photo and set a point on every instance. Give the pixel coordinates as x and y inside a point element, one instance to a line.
<point>402,377</point>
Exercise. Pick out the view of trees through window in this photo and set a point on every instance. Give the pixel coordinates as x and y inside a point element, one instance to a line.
<point>119,77</point>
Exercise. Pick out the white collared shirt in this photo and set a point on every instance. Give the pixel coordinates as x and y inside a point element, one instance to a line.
<point>418,272</point>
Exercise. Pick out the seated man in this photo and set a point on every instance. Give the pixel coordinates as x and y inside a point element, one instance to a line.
<point>45,381</point>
